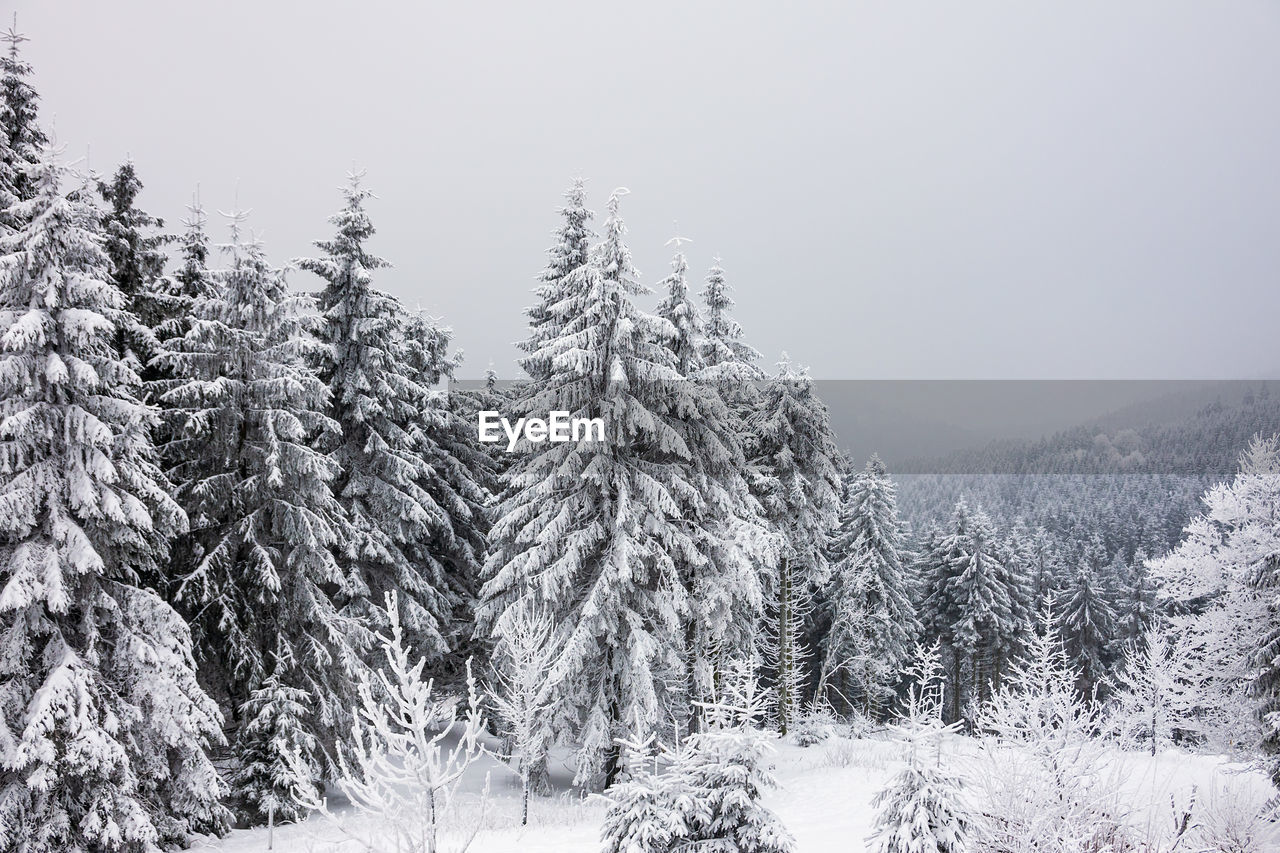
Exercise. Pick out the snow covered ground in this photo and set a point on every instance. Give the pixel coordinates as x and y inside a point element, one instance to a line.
<point>824,798</point>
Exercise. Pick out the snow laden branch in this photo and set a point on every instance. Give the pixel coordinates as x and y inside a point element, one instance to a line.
<point>409,756</point>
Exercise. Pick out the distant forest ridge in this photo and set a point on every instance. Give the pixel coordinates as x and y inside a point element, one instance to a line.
<point>1130,478</point>
<point>1191,428</point>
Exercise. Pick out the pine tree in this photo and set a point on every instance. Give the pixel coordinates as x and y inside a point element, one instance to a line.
<point>1253,522</point>
<point>984,609</point>
<point>1044,570</point>
<point>1137,603</point>
<point>1017,560</point>
<point>103,746</point>
<point>463,477</point>
<point>260,579</point>
<point>722,774</point>
<point>725,355</point>
<point>398,530</point>
<point>570,251</point>
<point>178,295</point>
<point>590,532</point>
<point>192,281</point>
<point>941,610</point>
<point>797,450</point>
<point>642,817</point>
<point>21,137</point>
<point>138,261</point>
<point>873,623</point>
<point>921,810</point>
<point>1087,627</point>
<point>277,751</point>
<point>710,797</point>
<point>678,310</point>
<point>919,813</point>
<point>723,585</point>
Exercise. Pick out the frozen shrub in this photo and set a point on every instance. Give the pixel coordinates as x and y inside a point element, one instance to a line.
<point>1236,819</point>
<point>1045,782</point>
<point>709,798</point>
<point>923,808</point>
<point>817,724</point>
<point>406,765</point>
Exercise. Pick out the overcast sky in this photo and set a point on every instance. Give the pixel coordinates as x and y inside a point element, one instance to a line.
<point>898,190</point>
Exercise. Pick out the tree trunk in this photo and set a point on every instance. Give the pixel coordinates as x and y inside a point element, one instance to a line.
<point>524,813</point>
<point>696,711</point>
<point>784,645</point>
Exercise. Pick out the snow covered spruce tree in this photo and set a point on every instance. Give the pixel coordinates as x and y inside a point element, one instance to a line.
<point>465,476</point>
<point>724,773</point>
<point>393,478</point>
<point>179,293</point>
<point>591,532</point>
<point>192,280</point>
<point>1088,628</point>
<point>729,364</point>
<point>1043,570</point>
<point>570,251</point>
<point>710,795</point>
<point>873,622</point>
<point>278,751</point>
<point>922,809</point>
<point>725,355</point>
<point>939,608</point>
<point>21,137</point>
<point>258,579</point>
<point>985,607</point>
<point>138,259</point>
<point>105,727</point>
<point>1136,605</point>
<point>1017,559</point>
<point>977,605</point>
<point>723,585</point>
<point>801,499</point>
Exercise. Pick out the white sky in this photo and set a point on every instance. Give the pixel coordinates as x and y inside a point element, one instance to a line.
<point>898,190</point>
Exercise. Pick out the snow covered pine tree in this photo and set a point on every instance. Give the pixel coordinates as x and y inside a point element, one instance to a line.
<point>402,535</point>
<point>709,798</point>
<point>724,584</point>
<point>873,622</point>
<point>259,579</point>
<point>797,450</point>
<point>922,809</point>
<point>137,259</point>
<point>105,728</point>
<point>591,532</point>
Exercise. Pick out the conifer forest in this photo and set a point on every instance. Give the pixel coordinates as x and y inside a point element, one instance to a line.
<point>281,570</point>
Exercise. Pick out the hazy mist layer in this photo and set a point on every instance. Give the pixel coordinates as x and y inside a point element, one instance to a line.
<point>991,190</point>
